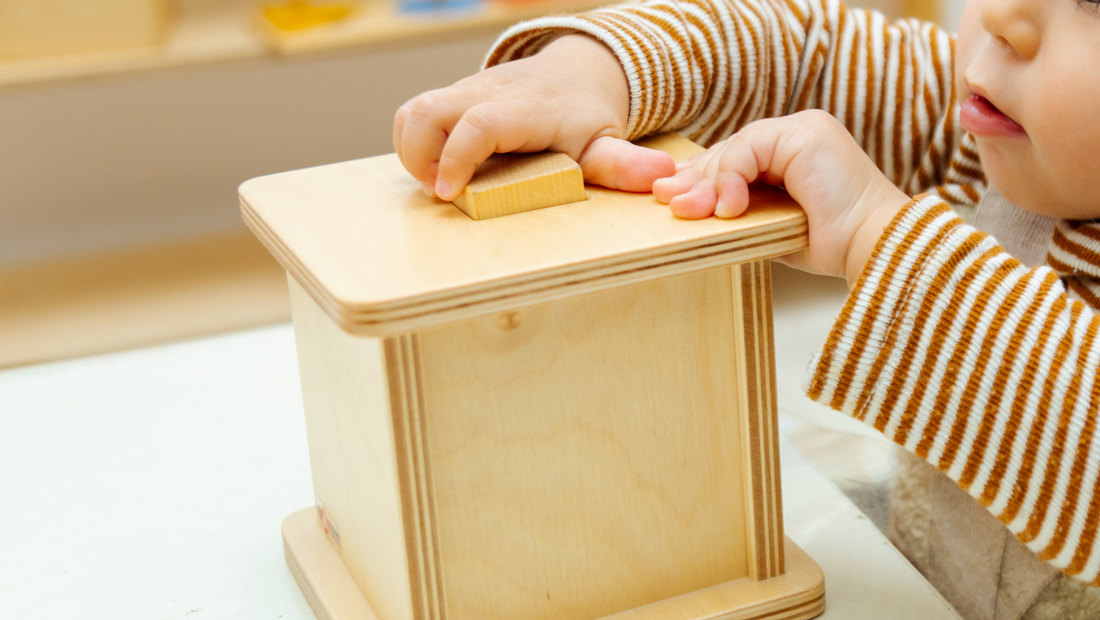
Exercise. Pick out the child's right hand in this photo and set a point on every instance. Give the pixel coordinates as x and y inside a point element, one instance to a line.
<point>848,201</point>
<point>571,97</point>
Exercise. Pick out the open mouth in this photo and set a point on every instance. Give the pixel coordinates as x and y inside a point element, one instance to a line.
<point>981,118</point>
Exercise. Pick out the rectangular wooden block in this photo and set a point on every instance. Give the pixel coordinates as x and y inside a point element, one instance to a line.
<point>509,183</point>
<point>53,27</point>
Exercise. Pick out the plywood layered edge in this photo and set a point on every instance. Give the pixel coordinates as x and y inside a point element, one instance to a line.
<point>333,595</point>
<point>785,236</point>
<point>414,474</point>
<point>755,355</point>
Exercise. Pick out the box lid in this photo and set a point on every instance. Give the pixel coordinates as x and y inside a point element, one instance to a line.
<point>381,258</point>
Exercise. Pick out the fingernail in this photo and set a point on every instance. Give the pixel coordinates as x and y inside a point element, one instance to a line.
<point>442,188</point>
<point>724,209</point>
<point>429,191</point>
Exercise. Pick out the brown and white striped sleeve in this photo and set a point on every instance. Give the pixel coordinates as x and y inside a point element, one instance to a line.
<point>983,367</point>
<point>709,67</point>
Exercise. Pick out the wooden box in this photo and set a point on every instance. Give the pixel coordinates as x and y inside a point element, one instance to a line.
<point>565,414</point>
<point>54,27</point>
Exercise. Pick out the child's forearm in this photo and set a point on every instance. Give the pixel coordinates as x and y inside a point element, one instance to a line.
<point>690,68</point>
<point>987,369</point>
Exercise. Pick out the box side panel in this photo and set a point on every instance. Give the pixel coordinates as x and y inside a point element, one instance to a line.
<point>352,455</point>
<point>585,454</point>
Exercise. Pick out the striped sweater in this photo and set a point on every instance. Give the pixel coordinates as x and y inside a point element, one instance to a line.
<point>947,345</point>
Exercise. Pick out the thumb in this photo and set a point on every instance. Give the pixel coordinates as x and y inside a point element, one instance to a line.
<point>618,164</point>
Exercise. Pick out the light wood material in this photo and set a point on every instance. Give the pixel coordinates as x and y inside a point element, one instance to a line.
<point>755,364</point>
<point>583,454</point>
<point>54,27</point>
<point>332,594</point>
<point>565,418</point>
<point>381,258</point>
<point>527,439</point>
<point>353,455</point>
<point>319,571</point>
<point>100,303</point>
<point>509,183</point>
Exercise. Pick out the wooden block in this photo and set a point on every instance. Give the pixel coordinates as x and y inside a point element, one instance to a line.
<point>54,27</point>
<point>332,594</point>
<point>510,183</point>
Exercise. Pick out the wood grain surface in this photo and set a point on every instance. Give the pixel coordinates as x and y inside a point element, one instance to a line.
<point>381,258</point>
<point>353,456</point>
<point>509,183</point>
<point>568,461</point>
<point>797,595</point>
<point>754,350</point>
<point>585,454</point>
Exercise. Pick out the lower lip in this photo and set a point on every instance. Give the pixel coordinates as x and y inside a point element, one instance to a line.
<point>980,118</point>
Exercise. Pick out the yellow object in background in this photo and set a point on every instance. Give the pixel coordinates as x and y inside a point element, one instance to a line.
<point>298,15</point>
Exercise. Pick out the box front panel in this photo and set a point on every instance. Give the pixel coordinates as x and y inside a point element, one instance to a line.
<point>585,455</point>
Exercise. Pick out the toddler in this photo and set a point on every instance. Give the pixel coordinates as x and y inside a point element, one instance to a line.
<point>978,363</point>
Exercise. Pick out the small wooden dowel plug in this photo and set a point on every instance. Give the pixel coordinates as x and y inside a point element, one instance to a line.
<point>510,183</point>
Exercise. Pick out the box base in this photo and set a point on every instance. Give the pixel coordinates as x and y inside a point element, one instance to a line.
<point>333,594</point>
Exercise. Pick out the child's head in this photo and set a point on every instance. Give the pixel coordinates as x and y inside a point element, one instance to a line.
<point>1038,63</point>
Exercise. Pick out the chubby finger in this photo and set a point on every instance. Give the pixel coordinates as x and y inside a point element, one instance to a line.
<point>399,119</point>
<point>484,129</point>
<point>425,124</point>
<point>690,161</point>
<point>617,164</point>
<point>688,174</point>
<point>664,190</point>
<point>735,169</point>
<point>697,203</point>
<point>699,200</point>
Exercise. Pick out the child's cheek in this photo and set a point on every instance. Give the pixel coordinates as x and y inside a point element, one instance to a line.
<point>1065,132</point>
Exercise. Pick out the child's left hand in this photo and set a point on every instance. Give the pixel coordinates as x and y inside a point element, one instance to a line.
<point>848,201</point>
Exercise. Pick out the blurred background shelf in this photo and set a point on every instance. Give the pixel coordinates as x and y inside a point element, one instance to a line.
<point>384,22</point>
<point>119,171</point>
<point>138,297</point>
<point>201,31</point>
<point>213,31</point>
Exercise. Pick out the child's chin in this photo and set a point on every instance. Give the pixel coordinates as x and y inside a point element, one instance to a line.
<point>1008,180</point>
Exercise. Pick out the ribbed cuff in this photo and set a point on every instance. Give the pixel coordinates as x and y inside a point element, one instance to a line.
<point>844,372</point>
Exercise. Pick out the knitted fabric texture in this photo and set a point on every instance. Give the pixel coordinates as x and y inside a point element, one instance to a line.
<point>947,344</point>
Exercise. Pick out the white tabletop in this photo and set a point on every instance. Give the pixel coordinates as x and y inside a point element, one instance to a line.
<point>151,484</point>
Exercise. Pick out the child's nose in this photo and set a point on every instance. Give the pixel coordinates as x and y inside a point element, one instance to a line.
<point>1015,22</point>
